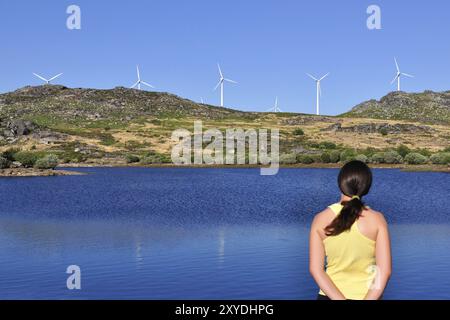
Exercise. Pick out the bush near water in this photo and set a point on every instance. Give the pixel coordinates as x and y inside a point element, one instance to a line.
<point>400,155</point>
<point>28,159</point>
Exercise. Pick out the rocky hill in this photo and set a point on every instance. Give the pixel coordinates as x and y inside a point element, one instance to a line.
<point>427,107</point>
<point>88,104</point>
<point>107,127</point>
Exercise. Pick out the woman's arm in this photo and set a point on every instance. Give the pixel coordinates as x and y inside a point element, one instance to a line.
<point>316,264</point>
<point>383,261</point>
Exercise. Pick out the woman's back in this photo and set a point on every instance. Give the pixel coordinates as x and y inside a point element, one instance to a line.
<point>349,246</point>
<point>351,254</point>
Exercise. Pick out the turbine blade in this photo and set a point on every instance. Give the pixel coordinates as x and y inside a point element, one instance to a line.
<point>147,84</point>
<point>55,77</point>
<point>312,77</point>
<point>395,79</point>
<point>134,85</point>
<point>138,73</point>
<point>396,64</point>
<point>408,75</point>
<point>42,78</point>
<point>229,80</point>
<point>220,82</point>
<point>220,71</point>
<point>324,76</point>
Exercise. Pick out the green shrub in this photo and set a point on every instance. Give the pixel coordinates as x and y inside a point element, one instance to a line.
<point>132,158</point>
<point>305,159</point>
<point>153,159</point>
<point>415,158</point>
<point>369,151</point>
<point>288,158</point>
<point>27,159</point>
<point>10,154</point>
<point>107,139</point>
<point>325,157</point>
<point>362,158</point>
<point>447,149</point>
<point>313,145</point>
<point>4,163</point>
<point>403,150</point>
<point>335,156</point>
<point>348,155</point>
<point>440,158</point>
<point>48,162</point>
<point>317,158</point>
<point>392,157</point>
<point>377,157</point>
<point>424,152</point>
<point>384,132</point>
<point>327,145</point>
<point>298,132</point>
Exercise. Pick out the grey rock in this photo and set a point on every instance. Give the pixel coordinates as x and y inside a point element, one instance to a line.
<point>399,128</point>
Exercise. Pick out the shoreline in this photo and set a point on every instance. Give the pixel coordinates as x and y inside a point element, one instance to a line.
<point>31,172</point>
<point>403,167</point>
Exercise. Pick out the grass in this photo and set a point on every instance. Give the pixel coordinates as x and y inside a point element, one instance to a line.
<point>139,135</point>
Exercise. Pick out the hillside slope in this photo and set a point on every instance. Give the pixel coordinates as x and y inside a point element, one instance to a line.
<point>428,107</point>
<point>111,126</point>
<point>118,103</point>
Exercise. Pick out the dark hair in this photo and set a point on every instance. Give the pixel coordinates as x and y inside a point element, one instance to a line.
<point>355,180</point>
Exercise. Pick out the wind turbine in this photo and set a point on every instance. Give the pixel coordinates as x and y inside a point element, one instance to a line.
<point>319,90</point>
<point>139,81</point>
<point>222,80</point>
<point>47,81</point>
<point>275,108</point>
<point>399,75</point>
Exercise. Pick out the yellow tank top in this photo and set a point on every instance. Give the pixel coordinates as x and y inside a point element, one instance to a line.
<point>350,260</point>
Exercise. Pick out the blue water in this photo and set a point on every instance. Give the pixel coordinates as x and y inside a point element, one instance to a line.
<point>205,233</point>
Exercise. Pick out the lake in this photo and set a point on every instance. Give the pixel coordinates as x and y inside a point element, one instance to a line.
<point>182,233</point>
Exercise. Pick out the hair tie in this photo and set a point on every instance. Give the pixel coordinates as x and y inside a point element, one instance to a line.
<point>356,197</point>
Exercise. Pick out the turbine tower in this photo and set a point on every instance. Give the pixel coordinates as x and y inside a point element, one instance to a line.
<point>399,75</point>
<point>222,80</point>
<point>275,108</point>
<point>47,81</point>
<point>139,81</point>
<point>319,90</point>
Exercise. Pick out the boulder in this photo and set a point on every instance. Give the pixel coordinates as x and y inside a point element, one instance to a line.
<point>18,128</point>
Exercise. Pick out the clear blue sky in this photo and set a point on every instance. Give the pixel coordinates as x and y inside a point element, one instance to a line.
<point>267,46</point>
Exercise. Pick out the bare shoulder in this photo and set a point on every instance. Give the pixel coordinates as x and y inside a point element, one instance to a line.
<point>323,219</point>
<point>375,217</point>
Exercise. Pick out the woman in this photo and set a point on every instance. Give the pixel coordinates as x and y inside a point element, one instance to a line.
<point>354,241</point>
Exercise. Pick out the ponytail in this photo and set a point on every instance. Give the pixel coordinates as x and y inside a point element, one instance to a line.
<point>349,214</point>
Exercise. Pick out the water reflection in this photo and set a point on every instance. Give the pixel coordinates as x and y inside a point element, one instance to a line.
<point>221,251</point>
<point>147,234</point>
